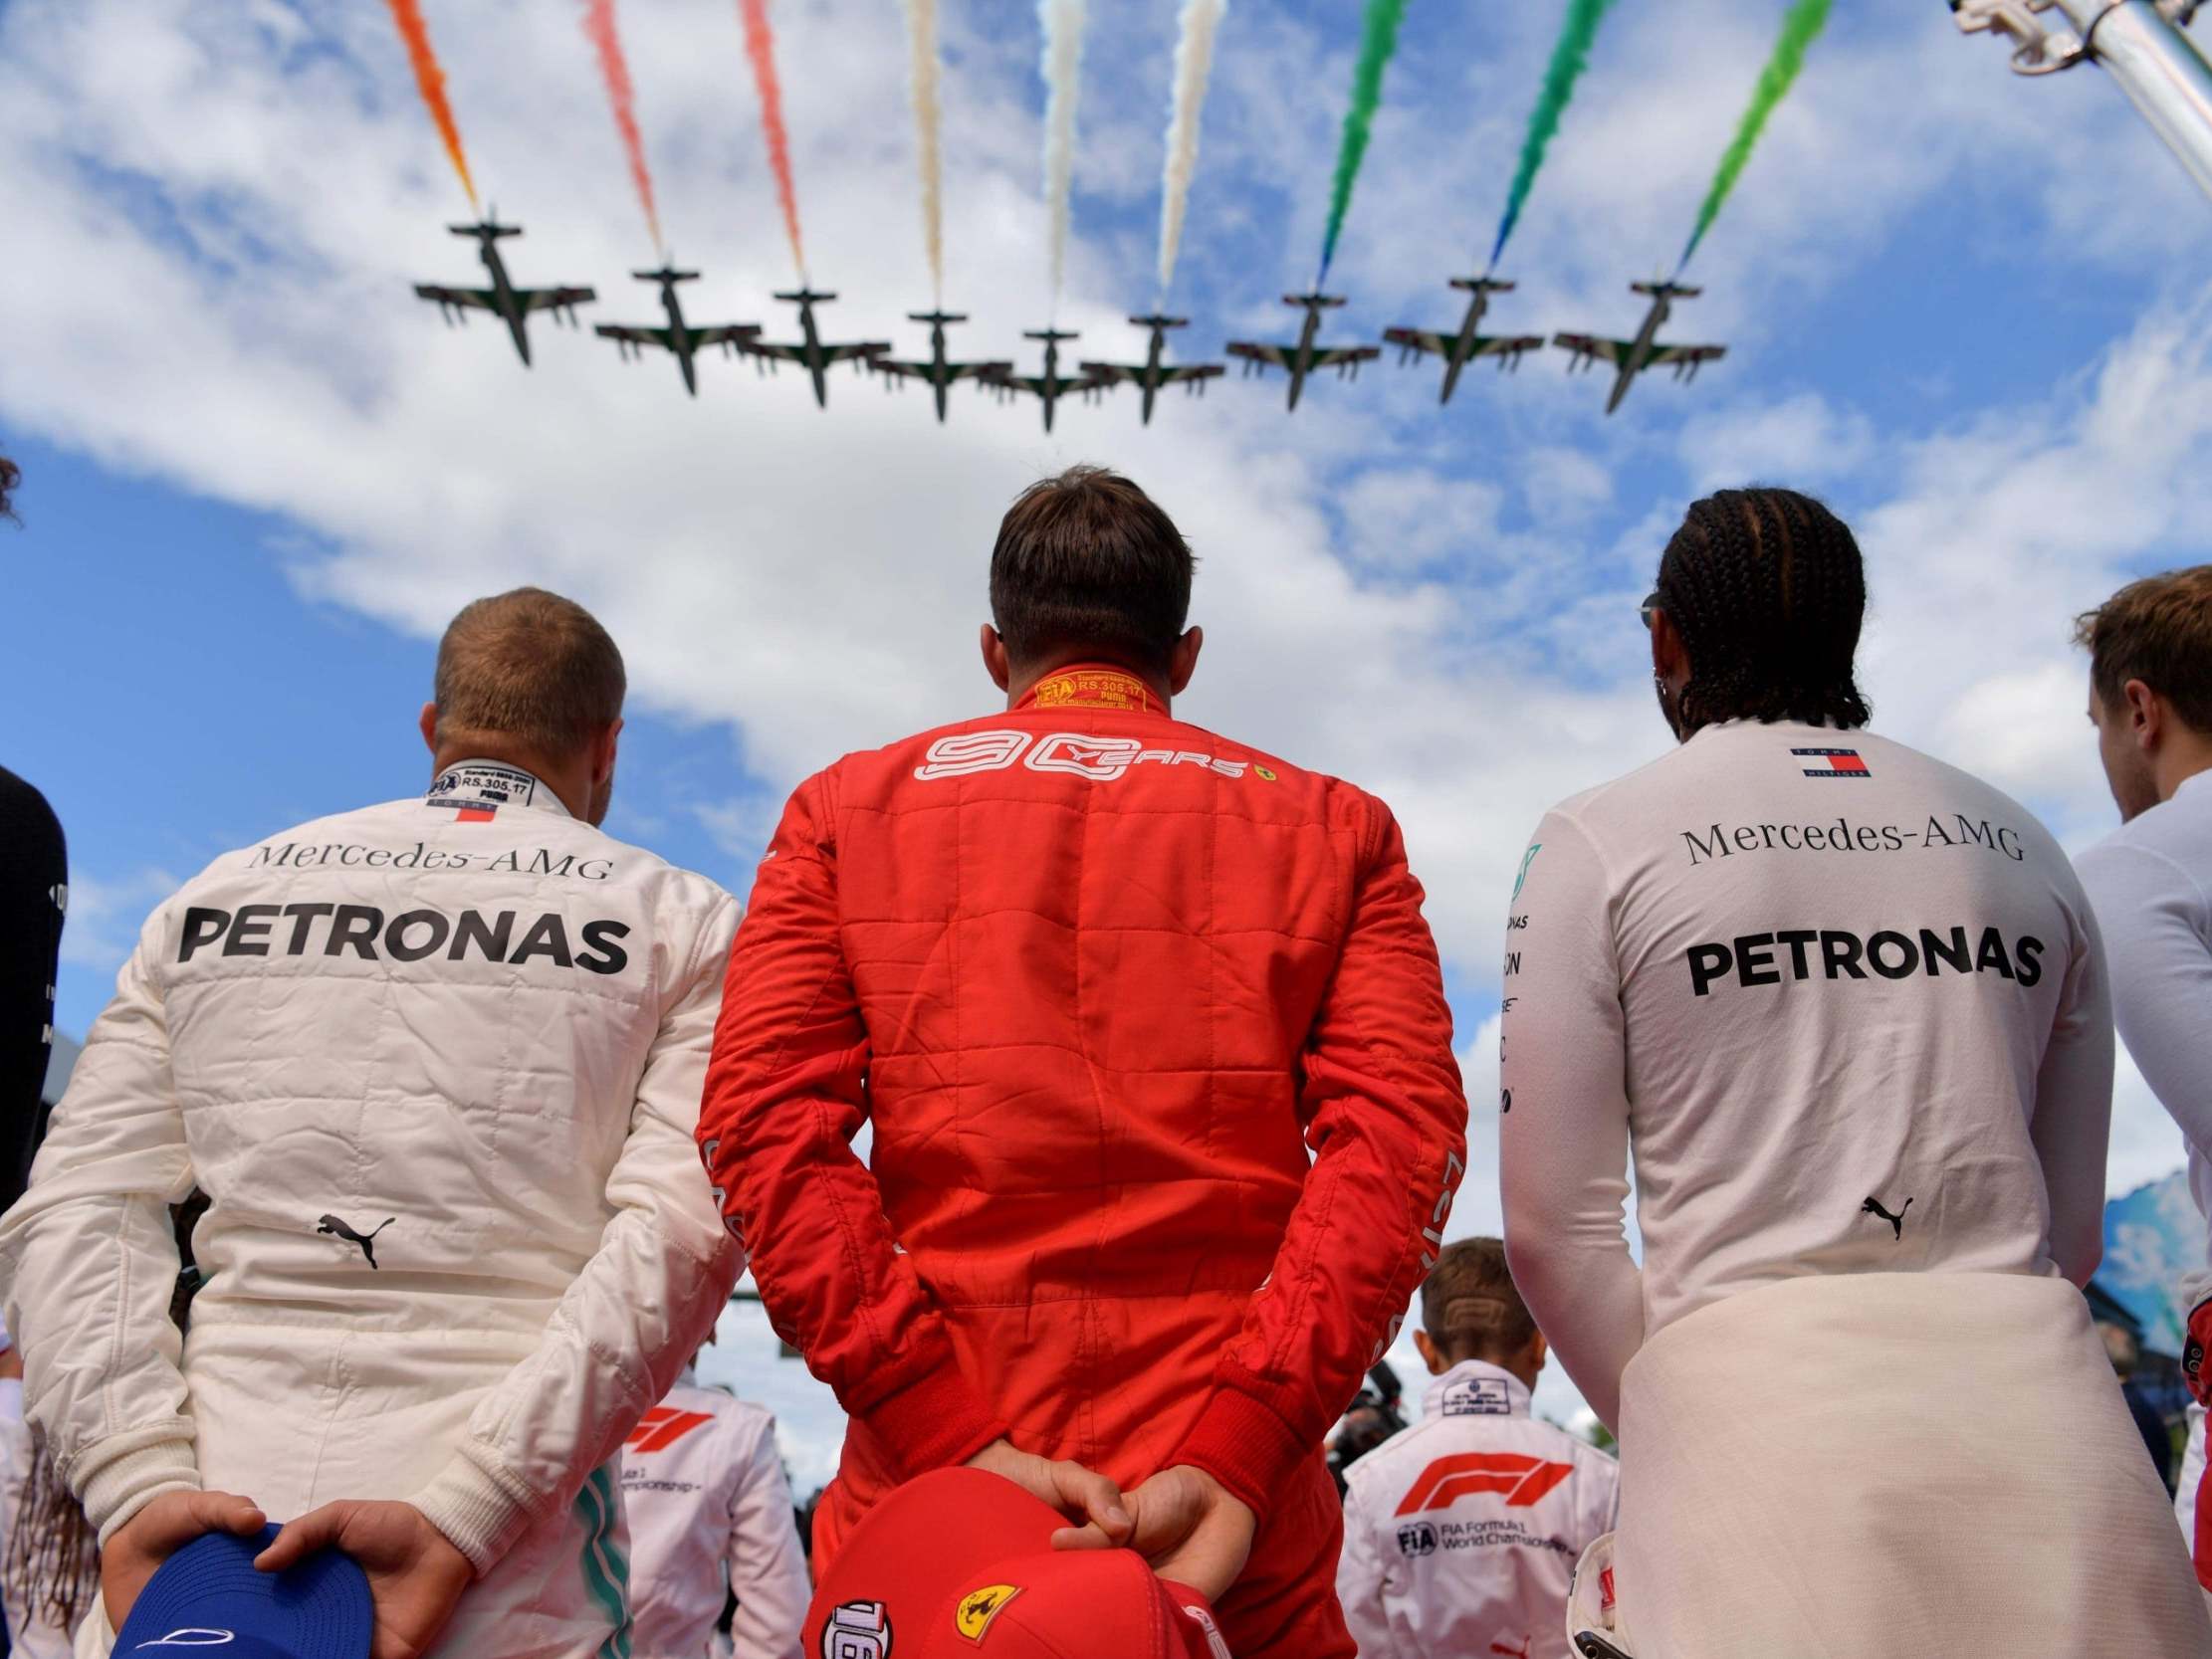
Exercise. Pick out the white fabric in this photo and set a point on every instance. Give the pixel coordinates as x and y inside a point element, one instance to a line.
<point>28,1631</point>
<point>2152,883</point>
<point>1894,1463</point>
<point>1693,956</point>
<point>1460,1533</point>
<point>708,1506</point>
<point>473,1031</point>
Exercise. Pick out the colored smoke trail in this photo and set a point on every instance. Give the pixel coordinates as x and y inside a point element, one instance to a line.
<point>1378,40</point>
<point>599,25</point>
<point>431,80</point>
<point>921,36</point>
<point>759,46</point>
<point>1063,63</point>
<point>1570,56</point>
<point>1193,61</point>
<point>1805,21</point>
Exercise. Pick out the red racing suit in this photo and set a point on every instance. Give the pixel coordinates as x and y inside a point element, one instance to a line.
<point>1152,1038</point>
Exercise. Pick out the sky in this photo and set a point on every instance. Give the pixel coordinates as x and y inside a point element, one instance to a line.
<point>1967,310</point>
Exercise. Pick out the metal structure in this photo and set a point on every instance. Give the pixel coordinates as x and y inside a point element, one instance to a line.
<point>2138,42</point>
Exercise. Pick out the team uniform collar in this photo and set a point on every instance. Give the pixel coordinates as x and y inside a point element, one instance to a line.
<point>479,789</point>
<point>1475,1388</point>
<point>1094,686</point>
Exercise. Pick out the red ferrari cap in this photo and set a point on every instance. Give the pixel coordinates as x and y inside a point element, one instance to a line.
<point>960,1565</point>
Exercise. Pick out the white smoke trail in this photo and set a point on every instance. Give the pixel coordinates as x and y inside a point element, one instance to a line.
<point>1063,61</point>
<point>1193,61</point>
<point>921,34</point>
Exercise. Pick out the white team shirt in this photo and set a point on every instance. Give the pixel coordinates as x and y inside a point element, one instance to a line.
<point>1848,1001</point>
<point>2152,883</point>
<point>1460,1533</point>
<point>706,1503</point>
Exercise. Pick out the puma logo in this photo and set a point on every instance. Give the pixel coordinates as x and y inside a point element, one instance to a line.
<point>1872,1206</point>
<point>367,1240</point>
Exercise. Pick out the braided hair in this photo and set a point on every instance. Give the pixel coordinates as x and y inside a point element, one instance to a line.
<point>1767,590</point>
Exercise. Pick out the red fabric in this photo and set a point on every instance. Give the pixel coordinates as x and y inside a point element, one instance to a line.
<point>1100,980</point>
<point>2200,1543</point>
<point>2198,1338</point>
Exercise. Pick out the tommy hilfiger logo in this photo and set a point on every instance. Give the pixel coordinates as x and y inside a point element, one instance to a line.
<point>1831,763</point>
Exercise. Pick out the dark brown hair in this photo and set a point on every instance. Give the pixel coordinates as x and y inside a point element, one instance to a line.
<point>10,475</point>
<point>530,667</point>
<point>1088,562</point>
<point>1469,1304</point>
<point>2159,631</point>
<point>1767,589</point>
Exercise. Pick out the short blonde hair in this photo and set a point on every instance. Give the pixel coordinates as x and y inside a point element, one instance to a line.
<point>530,667</point>
<point>2159,631</point>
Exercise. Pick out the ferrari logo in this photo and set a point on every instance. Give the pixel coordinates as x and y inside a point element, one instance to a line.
<point>977,1608</point>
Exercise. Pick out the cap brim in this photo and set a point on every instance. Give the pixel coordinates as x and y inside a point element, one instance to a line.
<point>319,1609</point>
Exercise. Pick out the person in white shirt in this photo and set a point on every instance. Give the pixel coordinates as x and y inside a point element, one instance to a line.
<point>2150,700</point>
<point>1848,1007</point>
<point>708,1504</point>
<point>1462,1532</point>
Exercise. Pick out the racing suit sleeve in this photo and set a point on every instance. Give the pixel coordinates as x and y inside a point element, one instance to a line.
<point>1387,1121</point>
<point>2073,1123</point>
<point>767,1569</point>
<point>786,1095</point>
<point>90,1261</point>
<point>1563,1115</point>
<point>1359,1580</point>
<point>637,1312</point>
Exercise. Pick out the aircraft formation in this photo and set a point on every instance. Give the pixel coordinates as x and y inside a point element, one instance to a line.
<point>1298,358</point>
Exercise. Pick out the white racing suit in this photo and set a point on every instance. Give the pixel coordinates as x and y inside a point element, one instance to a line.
<point>437,1065</point>
<point>1460,1533</point>
<point>708,1506</point>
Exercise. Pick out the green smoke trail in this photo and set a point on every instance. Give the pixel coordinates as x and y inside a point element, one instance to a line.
<point>1378,40</point>
<point>1805,21</point>
<point>1568,60</point>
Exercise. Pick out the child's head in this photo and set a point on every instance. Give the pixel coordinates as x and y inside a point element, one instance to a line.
<point>1471,1310</point>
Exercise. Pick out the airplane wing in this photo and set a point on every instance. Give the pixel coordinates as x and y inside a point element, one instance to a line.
<point>1589,345</point>
<point>1329,357</point>
<point>1506,345</point>
<point>665,338</point>
<point>723,333</point>
<point>1273,357</point>
<point>1193,372</point>
<point>774,348</point>
<point>553,298</point>
<point>857,348</point>
<point>923,369</point>
<point>1110,374</point>
<point>1686,354</point>
<point>482,298</point>
<point>1418,339</point>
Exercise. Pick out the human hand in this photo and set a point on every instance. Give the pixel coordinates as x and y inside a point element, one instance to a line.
<point>166,1525</point>
<point>414,1575</point>
<point>1076,1491</point>
<point>1189,1527</point>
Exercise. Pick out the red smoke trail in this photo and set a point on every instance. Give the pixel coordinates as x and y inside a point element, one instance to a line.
<point>599,25</point>
<point>759,46</point>
<point>431,78</point>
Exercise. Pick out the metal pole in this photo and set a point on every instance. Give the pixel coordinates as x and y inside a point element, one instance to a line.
<point>2159,69</point>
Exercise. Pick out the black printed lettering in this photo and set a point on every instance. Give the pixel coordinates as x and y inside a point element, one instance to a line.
<point>601,936</point>
<point>547,937</point>
<point>1840,954</point>
<point>1992,954</point>
<point>1951,948</point>
<point>202,925</point>
<point>1717,847</point>
<point>302,916</point>
<point>1908,954</point>
<point>356,925</point>
<point>489,936</point>
<point>1797,939</point>
<point>2031,970</point>
<point>1754,954</point>
<point>249,930</point>
<point>396,943</point>
<point>1707,962</point>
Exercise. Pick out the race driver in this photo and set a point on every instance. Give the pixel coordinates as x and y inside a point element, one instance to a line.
<point>1152,1038</point>
<point>1847,1008</point>
<point>436,1064</point>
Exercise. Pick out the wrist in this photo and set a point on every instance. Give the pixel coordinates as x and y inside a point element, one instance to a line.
<point>1243,1446</point>
<point>474,1511</point>
<point>118,1479</point>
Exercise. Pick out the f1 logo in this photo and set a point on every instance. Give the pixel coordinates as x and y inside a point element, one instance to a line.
<point>1522,1480</point>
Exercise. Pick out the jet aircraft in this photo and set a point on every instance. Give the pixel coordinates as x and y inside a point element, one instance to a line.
<point>1050,387</point>
<point>502,299</point>
<point>1457,350</point>
<point>1631,357</point>
<point>679,338</point>
<point>812,352</point>
<point>1304,357</point>
<point>937,370</point>
<point>1153,373</point>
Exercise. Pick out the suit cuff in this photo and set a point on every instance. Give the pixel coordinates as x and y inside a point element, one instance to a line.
<point>1247,1447</point>
<point>120,1482</point>
<point>937,1421</point>
<point>480,1514</point>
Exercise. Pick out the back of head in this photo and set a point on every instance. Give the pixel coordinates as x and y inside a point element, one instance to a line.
<point>524,676</point>
<point>1471,1309</point>
<point>1767,589</point>
<point>2159,631</point>
<point>1087,566</point>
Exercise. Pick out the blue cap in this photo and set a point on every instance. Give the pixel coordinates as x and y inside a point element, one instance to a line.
<point>210,1595</point>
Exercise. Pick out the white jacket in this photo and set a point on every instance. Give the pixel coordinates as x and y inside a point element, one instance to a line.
<point>708,1504</point>
<point>1460,1533</point>
<point>437,1065</point>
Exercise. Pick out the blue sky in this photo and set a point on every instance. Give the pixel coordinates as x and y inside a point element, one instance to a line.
<point>1968,308</point>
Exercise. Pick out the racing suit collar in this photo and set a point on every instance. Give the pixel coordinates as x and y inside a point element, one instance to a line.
<point>484,786</point>
<point>1095,686</point>
<point>1475,1388</point>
